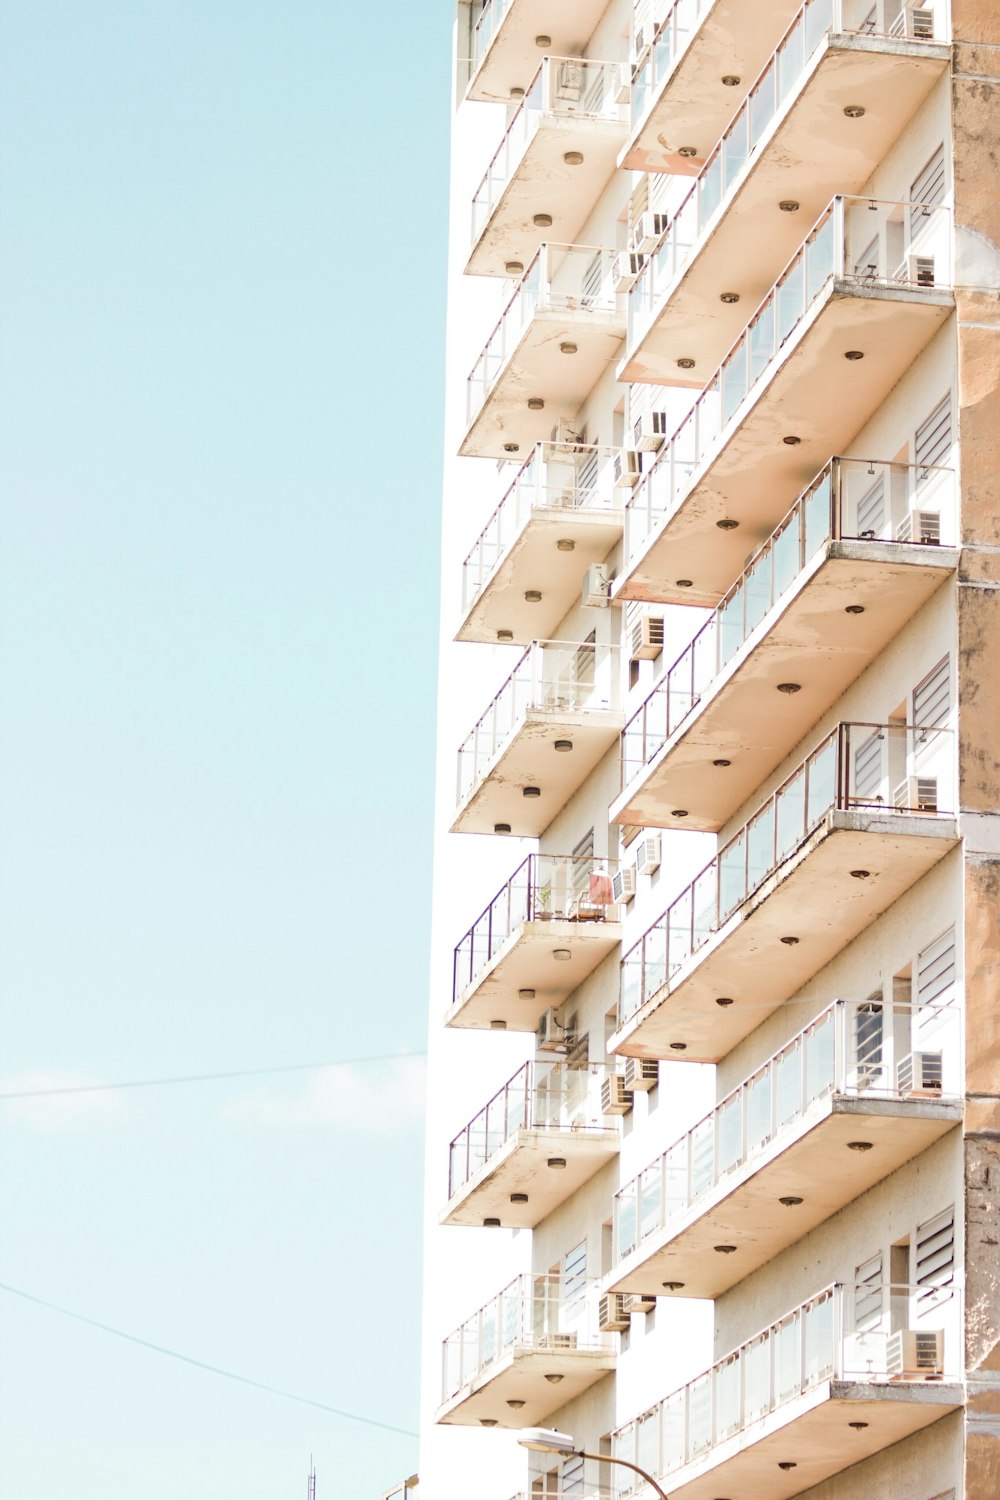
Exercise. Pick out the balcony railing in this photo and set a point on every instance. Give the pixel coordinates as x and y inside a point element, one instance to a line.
<point>546,887</point>
<point>670,41</point>
<point>551,677</point>
<point>486,29</point>
<point>851,500</point>
<point>547,1312</point>
<point>777,82</point>
<point>557,476</point>
<point>846,1333</point>
<point>562,86</point>
<point>855,1049</point>
<point>540,1096</point>
<point>561,278</point>
<point>895,769</point>
<point>861,243</point>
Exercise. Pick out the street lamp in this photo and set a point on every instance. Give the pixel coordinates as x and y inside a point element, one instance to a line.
<point>544,1440</point>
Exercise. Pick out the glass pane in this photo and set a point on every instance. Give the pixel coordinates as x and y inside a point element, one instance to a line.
<point>788,1084</point>
<point>758,1097</point>
<point>791,815</point>
<point>822,783</point>
<point>821,1058</point>
<point>818,1341</point>
<point>760,847</point>
<point>729,1131</point>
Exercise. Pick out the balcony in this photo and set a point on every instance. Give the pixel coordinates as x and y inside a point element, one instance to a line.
<point>542,735</point>
<point>557,335</point>
<point>500,1167</point>
<point>695,71</point>
<point>561,514</point>
<point>537,1343</point>
<point>775,1158</point>
<point>859,553</point>
<point>540,937</point>
<point>859,822</point>
<point>571,110</point>
<point>842,1377</point>
<point>729,235</point>
<point>860,300</point>
<point>508,31</point>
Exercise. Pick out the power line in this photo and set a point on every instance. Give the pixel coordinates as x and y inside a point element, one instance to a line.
<point>200,1364</point>
<point>151,1083</point>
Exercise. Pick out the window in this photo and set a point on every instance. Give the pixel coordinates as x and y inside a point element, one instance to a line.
<point>927,189</point>
<point>868,1039</point>
<point>574,1272</point>
<point>932,441</point>
<point>868,1294</point>
<point>935,1253</point>
<point>871,509</point>
<point>936,969</point>
<point>932,698</point>
<point>868,771</point>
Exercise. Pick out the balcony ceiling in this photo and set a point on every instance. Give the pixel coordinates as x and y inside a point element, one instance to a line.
<point>521,1166</point>
<point>513,57</point>
<point>812,641</point>
<point>813,153</point>
<point>526,962</point>
<point>813,1163</point>
<point>812,897</point>
<point>520,1376</point>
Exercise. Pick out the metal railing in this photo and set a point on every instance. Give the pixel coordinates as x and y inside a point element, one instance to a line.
<point>855,1049</point>
<point>849,500</point>
<point>561,278</point>
<point>486,28</point>
<point>551,676</point>
<point>540,1096</point>
<point>777,82</point>
<point>859,243</point>
<point>658,61</point>
<point>562,86</point>
<point>545,887</point>
<point>896,769</point>
<point>847,1332</point>
<point>558,476</point>
<point>546,1312</point>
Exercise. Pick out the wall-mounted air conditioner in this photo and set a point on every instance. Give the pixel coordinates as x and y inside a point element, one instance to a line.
<point>627,468</point>
<point>646,231</point>
<point>612,1316</point>
<point>916,23</point>
<point>650,430</point>
<point>916,270</point>
<point>569,80</point>
<point>641,1074</point>
<point>916,1354</point>
<point>615,1097</point>
<point>920,526</point>
<point>555,1341</point>
<point>916,794</point>
<point>623,884</point>
<point>552,1035</point>
<point>647,858</point>
<point>626,269</point>
<point>640,1301</point>
<point>920,1075</point>
<point>647,637</point>
<point>596,582</point>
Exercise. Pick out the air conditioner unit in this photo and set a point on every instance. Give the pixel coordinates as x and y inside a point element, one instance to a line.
<point>615,1097</point>
<point>916,24</point>
<point>641,1074</point>
<point>650,430</point>
<point>623,884</point>
<point>647,858</point>
<point>916,270</point>
<point>640,1301</point>
<point>627,468</point>
<point>551,1035</point>
<point>916,794</point>
<point>646,231</point>
<point>647,637</point>
<point>596,582</point>
<point>569,80</point>
<point>920,1075</point>
<point>920,526</point>
<point>625,269</point>
<point>916,1354</point>
<point>612,1316</point>
<point>555,1341</point>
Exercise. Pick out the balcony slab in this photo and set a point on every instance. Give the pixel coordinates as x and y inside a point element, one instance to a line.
<point>815,394</point>
<point>529,758</point>
<point>534,562</point>
<point>525,962</point>
<point>811,897</point>
<point>808,1159</point>
<point>807,637</point>
<point>521,1166</point>
<point>512,56</point>
<point>811,152</point>
<point>521,1376</point>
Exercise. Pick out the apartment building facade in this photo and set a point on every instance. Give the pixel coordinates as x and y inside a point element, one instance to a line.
<point>714,1136</point>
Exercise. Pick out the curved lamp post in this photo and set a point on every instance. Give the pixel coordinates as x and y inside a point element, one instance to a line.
<point>544,1440</point>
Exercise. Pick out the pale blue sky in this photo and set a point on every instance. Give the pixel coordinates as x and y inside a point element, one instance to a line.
<point>222,236</point>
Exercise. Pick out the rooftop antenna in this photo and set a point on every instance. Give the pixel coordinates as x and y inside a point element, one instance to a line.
<point>311,1481</point>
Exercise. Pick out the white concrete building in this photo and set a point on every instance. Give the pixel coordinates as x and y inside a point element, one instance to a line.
<point>714,1137</point>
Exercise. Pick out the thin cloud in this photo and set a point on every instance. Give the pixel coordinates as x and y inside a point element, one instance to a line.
<point>58,1111</point>
<point>382,1100</point>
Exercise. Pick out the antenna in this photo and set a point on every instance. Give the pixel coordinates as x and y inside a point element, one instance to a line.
<point>311,1481</point>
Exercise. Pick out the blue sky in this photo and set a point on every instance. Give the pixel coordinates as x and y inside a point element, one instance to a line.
<point>222,243</point>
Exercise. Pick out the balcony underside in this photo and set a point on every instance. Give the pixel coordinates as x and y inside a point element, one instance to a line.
<point>521,1376</point>
<point>534,562</point>
<point>512,57</point>
<point>694,105</point>
<point>543,183</point>
<point>812,641</point>
<point>744,1209</point>
<point>521,1166</point>
<point>814,394</point>
<point>813,152</point>
<point>539,368</point>
<point>526,963</point>
<point>814,1433</point>
<point>529,758</point>
<point>811,897</point>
